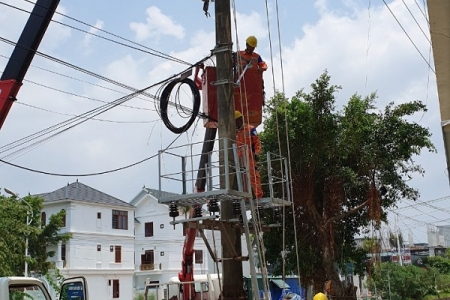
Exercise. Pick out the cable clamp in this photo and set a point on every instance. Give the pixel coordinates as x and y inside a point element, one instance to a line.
<point>221,49</point>
<point>222,81</point>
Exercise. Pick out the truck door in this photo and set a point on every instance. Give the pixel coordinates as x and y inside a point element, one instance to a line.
<point>74,289</point>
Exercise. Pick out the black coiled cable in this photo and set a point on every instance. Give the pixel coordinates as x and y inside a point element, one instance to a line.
<point>164,103</point>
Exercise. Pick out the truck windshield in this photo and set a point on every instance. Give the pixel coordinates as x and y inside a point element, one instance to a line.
<point>26,292</point>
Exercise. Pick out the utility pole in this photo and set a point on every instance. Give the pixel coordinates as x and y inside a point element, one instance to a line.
<point>399,249</point>
<point>232,269</point>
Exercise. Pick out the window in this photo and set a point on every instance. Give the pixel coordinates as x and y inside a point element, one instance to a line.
<point>63,252</point>
<point>117,254</point>
<point>148,258</point>
<point>149,229</point>
<point>198,256</point>
<point>116,287</point>
<point>43,219</point>
<point>99,247</point>
<point>154,284</point>
<point>64,218</point>
<point>119,219</point>
<point>99,215</point>
<point>26,291</point>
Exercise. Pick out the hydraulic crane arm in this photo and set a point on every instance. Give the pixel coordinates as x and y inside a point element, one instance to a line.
<point>23,54</point>
<point>187,264</point>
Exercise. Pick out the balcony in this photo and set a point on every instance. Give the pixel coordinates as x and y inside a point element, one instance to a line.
<point>149,267</point>
<point>146,267</point>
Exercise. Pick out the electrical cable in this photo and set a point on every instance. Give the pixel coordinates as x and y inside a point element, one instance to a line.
<point>74,121</point>
<point>415,20</point>
<point>93,119</point>
<point>95,75</point>
<point>415,46</point>
<point>164,101</point>
<point>423,11</point>
<point>76,79</point>
<point>157,53</point>
<point>86,174</point>
<point>82,70</point>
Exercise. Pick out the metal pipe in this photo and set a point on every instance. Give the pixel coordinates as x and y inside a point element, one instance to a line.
<point>226,164</point>
<point>183,173</point>
<point>269,174</point>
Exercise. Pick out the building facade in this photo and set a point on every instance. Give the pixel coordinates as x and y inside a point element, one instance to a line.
<point>159,245</point>
<point>120,247</point>
<point>102,244</point>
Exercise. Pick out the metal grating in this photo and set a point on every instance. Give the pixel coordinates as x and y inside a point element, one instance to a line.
<point>268,202</point>
<point>204,197</point>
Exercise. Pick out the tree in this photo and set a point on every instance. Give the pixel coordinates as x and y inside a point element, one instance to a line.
<point>393,239</point>
<point>13,230</point>
<point>347,167</point>
<point>441,263</point>
<point>396,282</point>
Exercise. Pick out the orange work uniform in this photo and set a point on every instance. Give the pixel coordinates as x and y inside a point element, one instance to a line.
<point>255,59</point>
<point>247,135</point>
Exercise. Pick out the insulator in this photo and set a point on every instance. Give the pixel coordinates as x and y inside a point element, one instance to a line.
<point>198,211</point>
<point>277,214</point>
<point>236,208</point>
<point>173,210</point>
<point>213,206</point>
<point>260,211</point>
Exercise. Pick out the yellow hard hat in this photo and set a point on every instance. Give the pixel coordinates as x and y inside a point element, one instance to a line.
<point>237,114</point>
<point>252,41</point>
<point>320,296</point>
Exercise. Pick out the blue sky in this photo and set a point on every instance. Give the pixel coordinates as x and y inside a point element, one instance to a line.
<point>358,42</point>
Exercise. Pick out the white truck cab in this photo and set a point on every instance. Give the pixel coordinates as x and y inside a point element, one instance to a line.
<point>28,288</point>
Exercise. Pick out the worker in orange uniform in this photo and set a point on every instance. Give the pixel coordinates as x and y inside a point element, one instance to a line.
<point>247,135</point>
<point>250,56</point>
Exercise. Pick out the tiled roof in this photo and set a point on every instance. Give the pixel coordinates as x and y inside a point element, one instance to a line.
<point>78,191</point>
<point>155,193</point>
<point>159,194</point>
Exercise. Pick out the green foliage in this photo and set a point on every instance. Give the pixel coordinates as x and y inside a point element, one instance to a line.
<point>339,162</point>
<point>14,230</point>
<point>55,279</point>
<point>140,296</point>
<point>442,264</point>
<point>393,239</point>
<point>396,282</point>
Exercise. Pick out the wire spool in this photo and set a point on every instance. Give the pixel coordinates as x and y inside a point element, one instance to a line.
<point>164,103</point>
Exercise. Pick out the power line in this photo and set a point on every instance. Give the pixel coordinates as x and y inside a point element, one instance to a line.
<point>82,70</point>
<point>154,53</point>
<point>423,11</point>
<point>93,119</point>
<point>415,20</point>
<point>79,80</point>
<point>77,175</point>
<point>401,26</point>
<point>420,203</point>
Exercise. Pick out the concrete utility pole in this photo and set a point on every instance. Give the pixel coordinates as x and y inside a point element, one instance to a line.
<point>232,269</point>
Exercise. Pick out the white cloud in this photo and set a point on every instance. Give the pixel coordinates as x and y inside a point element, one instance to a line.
<point>157,25</point>
<point>337,41</point>
<point>87,40</point>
